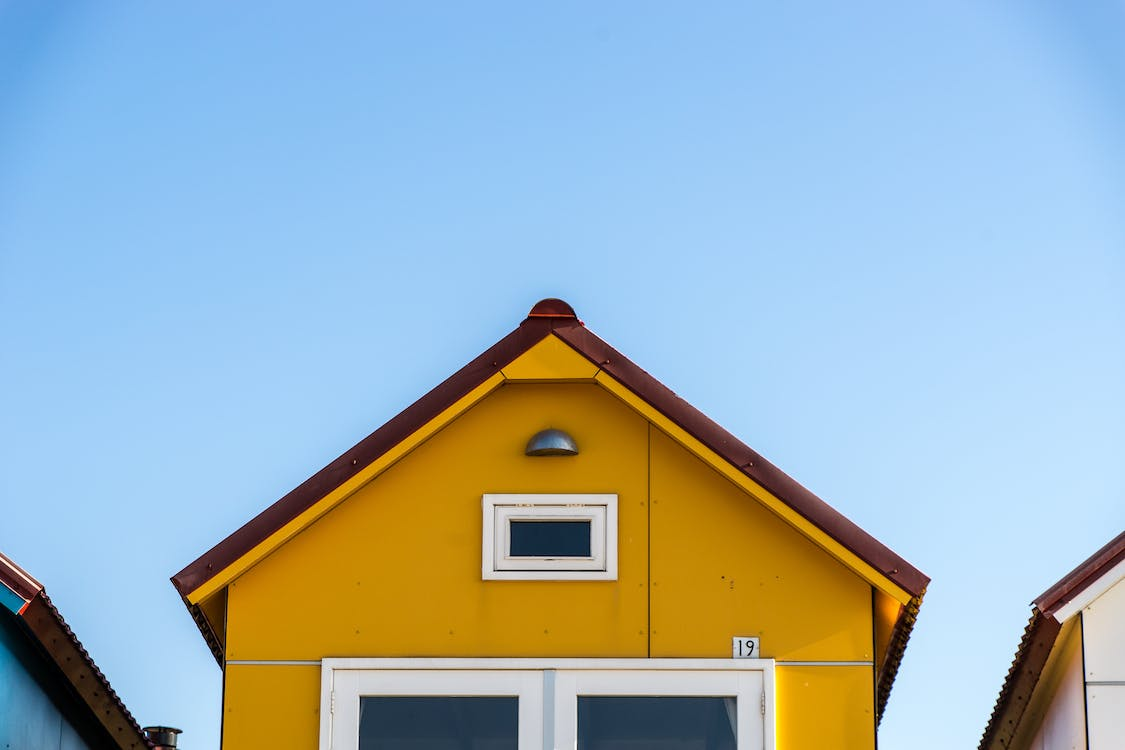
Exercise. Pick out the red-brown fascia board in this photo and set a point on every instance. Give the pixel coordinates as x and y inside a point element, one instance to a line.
<point>1031,657</point>
<point>1079,579</point>
<point>414,417</point>
<point>747,460</point>
<point>17,579</point>
<point>86,681</point>
<point>562,322</point>
<point>1038,640</point>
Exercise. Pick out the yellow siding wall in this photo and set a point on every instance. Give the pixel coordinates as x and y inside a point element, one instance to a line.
<point>714,551</point>
<point>271,706</point>
<point>395,571</point>
<point>825,707</point>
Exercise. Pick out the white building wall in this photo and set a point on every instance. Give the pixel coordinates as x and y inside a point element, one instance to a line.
<point>1064,723</point>
<point>1103,624</point>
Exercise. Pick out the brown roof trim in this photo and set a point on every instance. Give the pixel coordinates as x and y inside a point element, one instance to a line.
<point>1038,640</point>
<point>1027,667</point>
<point>748,461</point>
<point>214,642</point>
<point>531,331</point>
<point>17,579</point>
<point>552,308</point>
<point>1079,579</point>
<point>53,638</point>
<point>547,317</point>
<point>895,650</point>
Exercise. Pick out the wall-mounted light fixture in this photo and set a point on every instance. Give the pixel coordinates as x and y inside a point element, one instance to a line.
<point>551,442</point>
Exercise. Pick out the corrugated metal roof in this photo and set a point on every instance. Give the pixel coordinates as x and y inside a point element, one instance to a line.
<point>48,632</point>
<point>1038,639</point>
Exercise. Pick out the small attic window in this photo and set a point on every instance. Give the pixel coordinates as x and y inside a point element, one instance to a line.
<point>549,537</point>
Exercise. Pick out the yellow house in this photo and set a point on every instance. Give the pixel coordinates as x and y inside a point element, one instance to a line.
<point>551,549</point>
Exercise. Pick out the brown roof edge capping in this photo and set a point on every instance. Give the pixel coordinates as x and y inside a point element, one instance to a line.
<point>53,638</point>
<point>899,638</point>
<point>545,316</point>
<point>1027,667</point>
<point>1079,579</point>
<point>700,426</point>
<point>17,579</point>
<point>1038,640</point>
<point>552,308</point>
<point>214,643</point>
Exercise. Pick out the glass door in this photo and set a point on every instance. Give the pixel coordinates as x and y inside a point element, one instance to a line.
<point>658,710</point>
<point>540,704</point>
<point>438,722</point>
<point>660,722</point>
<point>436,710</point>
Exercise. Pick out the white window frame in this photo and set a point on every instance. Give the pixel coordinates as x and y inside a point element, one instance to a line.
<point>548,690</point>
<point>349,685</point>
<point>498,512</point>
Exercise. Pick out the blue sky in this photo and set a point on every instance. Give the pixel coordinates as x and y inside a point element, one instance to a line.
<point>882,244</point>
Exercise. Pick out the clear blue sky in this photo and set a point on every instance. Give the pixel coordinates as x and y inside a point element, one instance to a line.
<point>883,243</point>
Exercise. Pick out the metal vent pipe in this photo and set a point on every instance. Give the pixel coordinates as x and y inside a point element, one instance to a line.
<point>162,738</point>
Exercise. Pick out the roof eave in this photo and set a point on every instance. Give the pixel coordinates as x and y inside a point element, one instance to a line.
<point>47,631</point>
<point>85,680</point>
<point>209,632</point>
<point>900,636</point>
<point>352,461</point>
<point>1027,667</point>
<point>17,579</point>
<point>559,319</point>
<point>1083,576</point>
<point>1039,638</point>
<point>748,461</point>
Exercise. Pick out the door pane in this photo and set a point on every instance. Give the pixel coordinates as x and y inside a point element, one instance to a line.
<point>656,723</point>
<point>438,723</point>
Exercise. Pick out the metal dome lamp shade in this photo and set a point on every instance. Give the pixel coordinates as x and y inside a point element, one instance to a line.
<point>551,442</point>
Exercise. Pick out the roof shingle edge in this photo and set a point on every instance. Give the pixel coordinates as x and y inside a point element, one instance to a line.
<point>46,628</point>
<point>1038,639</point>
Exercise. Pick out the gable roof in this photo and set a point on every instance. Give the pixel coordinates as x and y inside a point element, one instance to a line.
<point>1049,611</point>
<point>553,318</point>
<point>25,599</point>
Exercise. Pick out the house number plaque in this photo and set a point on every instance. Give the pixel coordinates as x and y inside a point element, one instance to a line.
<point>743,647</point>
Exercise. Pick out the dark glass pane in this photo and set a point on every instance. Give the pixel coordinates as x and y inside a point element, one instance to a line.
<point>438,723</point>
<point>550,539</point>
<point>656,723</point>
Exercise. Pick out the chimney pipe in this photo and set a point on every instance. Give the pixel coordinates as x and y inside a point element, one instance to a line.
<point>162,738</point>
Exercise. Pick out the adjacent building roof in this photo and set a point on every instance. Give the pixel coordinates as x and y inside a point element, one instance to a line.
<point>553,317</point>
<point>25,599</point>
<point>1049,611</point>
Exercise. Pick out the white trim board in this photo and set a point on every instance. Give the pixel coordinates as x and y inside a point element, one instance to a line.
<point>1104,583</point>
<point>539,663</point>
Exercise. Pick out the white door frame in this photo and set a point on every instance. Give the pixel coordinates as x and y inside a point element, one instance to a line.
<point>548,689</point>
